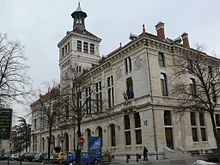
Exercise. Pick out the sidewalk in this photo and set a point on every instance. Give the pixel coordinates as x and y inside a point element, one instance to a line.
<point>189,161</point>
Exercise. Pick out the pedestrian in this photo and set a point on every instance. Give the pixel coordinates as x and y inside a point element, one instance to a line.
<point>145,151</point>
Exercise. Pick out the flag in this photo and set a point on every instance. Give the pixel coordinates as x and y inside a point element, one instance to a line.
<point>125,96</point>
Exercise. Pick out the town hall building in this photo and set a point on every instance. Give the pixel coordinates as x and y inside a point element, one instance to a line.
<point>134,81</point>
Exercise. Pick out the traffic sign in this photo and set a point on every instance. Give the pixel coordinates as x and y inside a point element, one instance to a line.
<point>5,123</point>
<point>81,140</point>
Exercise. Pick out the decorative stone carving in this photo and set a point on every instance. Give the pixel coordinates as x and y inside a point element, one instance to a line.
<point>138,63</point>
<point>118,72</point>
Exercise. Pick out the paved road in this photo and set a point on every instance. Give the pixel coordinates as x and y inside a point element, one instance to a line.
<point>5,162</point>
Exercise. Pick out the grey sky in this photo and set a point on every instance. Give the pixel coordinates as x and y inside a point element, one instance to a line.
<point>41,24</point>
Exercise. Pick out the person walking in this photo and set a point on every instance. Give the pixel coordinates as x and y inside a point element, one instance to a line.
<point>145,151</point>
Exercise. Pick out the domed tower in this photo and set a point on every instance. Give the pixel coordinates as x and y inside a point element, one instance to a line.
<point>79,18</point>
<point>79,47</point>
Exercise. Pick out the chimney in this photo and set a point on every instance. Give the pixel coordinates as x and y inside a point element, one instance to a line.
<point>185,40</point>
<point>160,30</point>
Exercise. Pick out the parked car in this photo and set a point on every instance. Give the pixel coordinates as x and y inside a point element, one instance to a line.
<point>57,157</point>
<point>23,156</point>
<point>31,156</point>
<point>85,158</point>
<point>14,156</point>
<point>40,157</point>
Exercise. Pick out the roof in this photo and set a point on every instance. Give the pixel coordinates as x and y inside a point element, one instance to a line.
<point>85,32</point>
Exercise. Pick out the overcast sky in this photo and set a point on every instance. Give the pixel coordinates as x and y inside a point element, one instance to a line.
<point>41,24</point>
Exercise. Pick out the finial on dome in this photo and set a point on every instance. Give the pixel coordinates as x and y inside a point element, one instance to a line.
<point>120,44</point>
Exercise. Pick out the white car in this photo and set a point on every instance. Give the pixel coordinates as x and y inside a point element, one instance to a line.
<point>14,156</point>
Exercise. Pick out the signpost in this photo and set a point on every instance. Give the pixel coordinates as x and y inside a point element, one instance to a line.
<point>5,123</point>
<point>81,140</point>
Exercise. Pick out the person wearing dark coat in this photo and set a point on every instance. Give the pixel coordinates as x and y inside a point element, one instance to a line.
<point>145,151</point>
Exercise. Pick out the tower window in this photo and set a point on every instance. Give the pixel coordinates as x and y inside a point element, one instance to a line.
<point>85,47</point>
<point>92,49</point>
<point>79,46</point>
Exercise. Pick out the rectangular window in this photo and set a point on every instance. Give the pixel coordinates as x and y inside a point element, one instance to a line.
<point>163,79</point>
<point>68,47</point>
<point>62,52</point>
<point>167,118</point>
<point>110,91</point>
<point>194,134</point>
<point>129,92</point>
<point>128,65</point>
<point>99,96</point>
<point>137,120</point>
<point>127,122</point>
<point>192,84</point>
<point>138,136</point>
<point>128,138</point>
<point>88,101</point>
<point>92,49</point>
<point>217,119</point>
<point>193,118</point>
<point>161,59</point>
<point>201,119</point>
<point>79,46</point>
<point>65,49</point>
<point>85,47</point>
<point>203,134</point>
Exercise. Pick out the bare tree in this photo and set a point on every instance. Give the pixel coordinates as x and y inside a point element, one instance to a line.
<point>48,108</point>
<point>81,96</point>
<point>13,77</point>
<point>197,85</point>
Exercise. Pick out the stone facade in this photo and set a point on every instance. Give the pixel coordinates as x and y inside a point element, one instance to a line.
<point>135,120</point>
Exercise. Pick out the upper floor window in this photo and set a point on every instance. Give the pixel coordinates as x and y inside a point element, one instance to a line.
<point>192,84</point>
<point>163,79</point>
<point>68,47</point>
<point>217,119</point>
<point>137,120</point>
<point>88,101</point>
<point>129,92</point>
<point>161,59</point>
<point>62,53</point>
<point>79,46</point>
<point>201,119</point>
<point>92,49</point>
<point>167,118</point>
<point>193,118</point>
<point>128,65</point>
<point>35,123</point>
<point>85,47</point>
<point>99,96</point>
<point>110,91</point>
<point>127,122</point>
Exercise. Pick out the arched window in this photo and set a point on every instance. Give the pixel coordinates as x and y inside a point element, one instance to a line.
<point>99,132</point>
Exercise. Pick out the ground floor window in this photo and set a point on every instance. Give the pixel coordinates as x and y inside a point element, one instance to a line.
<point>169,137</point>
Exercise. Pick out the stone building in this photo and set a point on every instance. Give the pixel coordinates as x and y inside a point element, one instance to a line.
<point>135,81</point>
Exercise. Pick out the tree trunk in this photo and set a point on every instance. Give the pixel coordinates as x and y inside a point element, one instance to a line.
<point>49,142</point>
<point>216,134</point>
